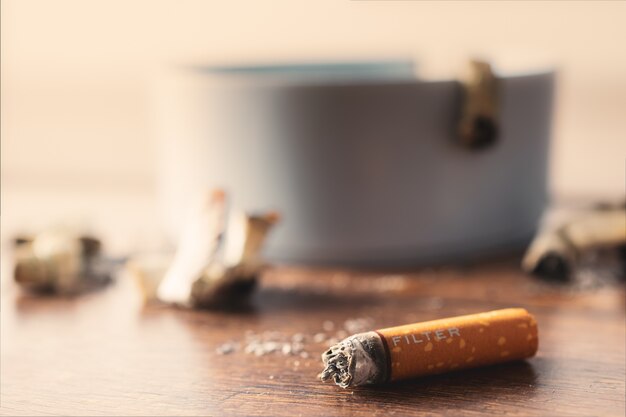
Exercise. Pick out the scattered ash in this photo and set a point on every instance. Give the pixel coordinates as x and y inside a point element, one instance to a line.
<point>265,343</point>
<point>298,344</point>
<point>227,348</point>
<point>273,342</point>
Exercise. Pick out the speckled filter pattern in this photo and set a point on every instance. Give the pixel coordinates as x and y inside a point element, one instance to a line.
<point>460,342</point>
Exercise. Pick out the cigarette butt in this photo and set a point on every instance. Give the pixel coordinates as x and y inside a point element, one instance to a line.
<point>554,254</point>
<point>58,261</point>
<point>478,127</point>
<point>200,240</point>
<point>432,347</point>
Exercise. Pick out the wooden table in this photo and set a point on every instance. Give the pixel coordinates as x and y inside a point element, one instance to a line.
<point>104,353</point>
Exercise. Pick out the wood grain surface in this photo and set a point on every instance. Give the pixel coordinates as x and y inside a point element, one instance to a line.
<point>104,353</point>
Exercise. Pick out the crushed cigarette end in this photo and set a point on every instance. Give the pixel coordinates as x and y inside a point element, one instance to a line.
<point>218,259</point>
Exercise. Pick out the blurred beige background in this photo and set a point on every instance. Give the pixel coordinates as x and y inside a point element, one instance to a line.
<point>76,75</point>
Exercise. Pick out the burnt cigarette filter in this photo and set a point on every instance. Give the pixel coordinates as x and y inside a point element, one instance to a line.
<point>431,347</point>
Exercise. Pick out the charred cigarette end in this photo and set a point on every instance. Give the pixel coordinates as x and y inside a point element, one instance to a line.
<point>551,256</point>
<point>355,361</point>
<point>553,267</point>
<point>431,347</point>
<point>337,365</point>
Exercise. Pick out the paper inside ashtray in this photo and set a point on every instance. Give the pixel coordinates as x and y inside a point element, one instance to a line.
<point>217,261</point>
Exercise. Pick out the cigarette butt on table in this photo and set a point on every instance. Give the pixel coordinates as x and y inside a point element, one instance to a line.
<point>218,260</point>
<point>61,261</point>
<point>431,347</point>
<point>555,253</point>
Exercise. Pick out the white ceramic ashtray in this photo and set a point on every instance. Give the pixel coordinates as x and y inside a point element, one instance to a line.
<point>363,161</point>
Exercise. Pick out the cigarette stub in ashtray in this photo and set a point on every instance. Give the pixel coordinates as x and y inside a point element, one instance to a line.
<point>432,347</point>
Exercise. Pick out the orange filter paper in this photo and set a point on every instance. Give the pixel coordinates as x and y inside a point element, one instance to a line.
<point>460,342</point>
